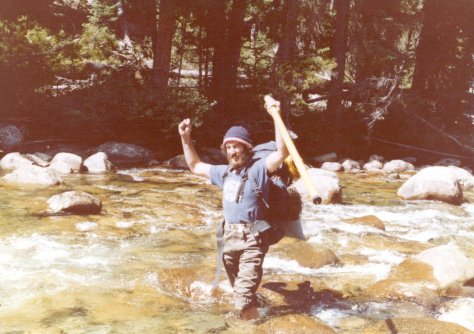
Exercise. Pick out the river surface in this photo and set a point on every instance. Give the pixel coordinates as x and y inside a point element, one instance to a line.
<point>147,262</point>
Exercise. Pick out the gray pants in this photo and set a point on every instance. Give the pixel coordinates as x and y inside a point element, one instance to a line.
<point>243,259</point>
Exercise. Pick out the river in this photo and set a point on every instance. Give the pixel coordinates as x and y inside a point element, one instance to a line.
<point>147,262</point>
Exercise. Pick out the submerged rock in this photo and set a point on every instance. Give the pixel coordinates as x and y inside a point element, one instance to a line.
<point>78,202</point>
<point>409,281</point>
<point>433,183</point>
<point>325,183</point>
<point>34,175</point>
<point>371,220</point>
<point>449,264</point>
<point>416,326</point>
<point>294,323</point>
<point>306,254</point>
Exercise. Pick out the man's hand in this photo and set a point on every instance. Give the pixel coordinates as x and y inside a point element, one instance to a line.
<point>271,104</point>
<point>184,128</point>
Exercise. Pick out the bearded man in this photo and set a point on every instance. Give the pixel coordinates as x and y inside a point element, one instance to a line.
<point>245,183</point>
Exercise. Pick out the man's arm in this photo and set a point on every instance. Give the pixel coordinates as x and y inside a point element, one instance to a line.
<point>190,155</point>
<point>275,159</point>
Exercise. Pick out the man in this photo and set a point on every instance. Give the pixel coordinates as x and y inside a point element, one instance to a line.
<point>243,204</point>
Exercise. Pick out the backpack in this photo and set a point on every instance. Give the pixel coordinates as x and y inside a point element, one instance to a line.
<point>284,204</point>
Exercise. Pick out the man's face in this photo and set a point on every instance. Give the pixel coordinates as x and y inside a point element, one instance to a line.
<point>237,154</point>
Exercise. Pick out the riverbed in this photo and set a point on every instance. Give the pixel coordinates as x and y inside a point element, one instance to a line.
<point>147,262</point>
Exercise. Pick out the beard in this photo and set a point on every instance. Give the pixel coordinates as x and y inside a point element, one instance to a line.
<point>237,160</point>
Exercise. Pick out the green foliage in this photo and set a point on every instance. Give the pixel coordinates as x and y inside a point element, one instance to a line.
<point>98,43</point>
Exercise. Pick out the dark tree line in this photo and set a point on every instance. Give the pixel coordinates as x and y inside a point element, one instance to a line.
<point>348,72</point>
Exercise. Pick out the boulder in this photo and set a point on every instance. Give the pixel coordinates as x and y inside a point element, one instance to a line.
<point>411,281</point>
<point>410,160</point>
<point>294,323</point>
<point>415,326</point>
<point>98,163</point>
<point>320,159</point>
<point>39,159</point>
<point>351,166</point>
<point>14,160</point>
<point>432,183</point>
<point>465,178</point>
<point>449,264</point>
<point>66,163</point>
<point>397,166</point>
<point>10,138</point>
<point>306,254</point>
<point>34,175</point>
<point>371,221</point>
<point>374,166</point>
<point>125,153</point>
<point>376,157</point>
<point>213,156</point>
<point>332,166</point>
<point>177,162</point>
<point>325,183</point>
<point>448,162</point>
<point>77,202</point>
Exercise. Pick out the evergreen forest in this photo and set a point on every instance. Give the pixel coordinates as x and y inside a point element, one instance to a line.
<point>357,77</point>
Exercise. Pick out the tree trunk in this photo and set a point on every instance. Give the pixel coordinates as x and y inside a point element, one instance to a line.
<point>217,37</point>
<point>333,116</point>
<point>286,54</point>
<point>124,27</point>
<point>227,41</point>
<point>163,45</point>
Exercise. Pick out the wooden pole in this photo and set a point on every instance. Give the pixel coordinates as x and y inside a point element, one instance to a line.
<point>293,151</point>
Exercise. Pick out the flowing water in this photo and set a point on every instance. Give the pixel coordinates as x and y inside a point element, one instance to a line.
<point>147,262</point>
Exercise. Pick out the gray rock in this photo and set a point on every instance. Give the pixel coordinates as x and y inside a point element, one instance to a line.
<point>377,158</point>
<point>448,162</point>
<point>350,165</point>
<point>320,159</point>
<point>10,137</point>
<point>397,166</point>
<point>14,160</point>
<point>465,179</point>
<point>433,183</point>
<point>66,163</point>
<point>449,264</point>
<point>125,153</point>
<point>39,159</point>
<point>373,166</point>
<point>325,183</point>
<point>98,163</point>
<point>77,202</point>
<point>34,175</point>
<point>177,162</point>
<point>332,166</point>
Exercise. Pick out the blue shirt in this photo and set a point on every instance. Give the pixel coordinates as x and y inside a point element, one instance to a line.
<point>250,207</point>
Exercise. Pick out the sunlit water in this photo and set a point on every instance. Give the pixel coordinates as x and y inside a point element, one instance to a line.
<point>146,263</point>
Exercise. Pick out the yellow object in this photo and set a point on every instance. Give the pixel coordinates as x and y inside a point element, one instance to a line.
<point>292,150</point>
<point>292,167</point>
